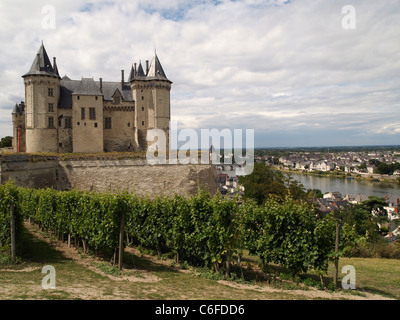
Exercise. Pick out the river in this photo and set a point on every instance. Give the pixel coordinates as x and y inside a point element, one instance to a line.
<point>352,187</point>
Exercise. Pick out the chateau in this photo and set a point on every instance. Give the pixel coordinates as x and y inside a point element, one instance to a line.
<point>90,116</point>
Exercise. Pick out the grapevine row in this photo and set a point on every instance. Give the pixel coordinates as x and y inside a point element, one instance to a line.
<point>203,230</point>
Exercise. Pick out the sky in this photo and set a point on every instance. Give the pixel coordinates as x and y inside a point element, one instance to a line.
<point>298,73</point>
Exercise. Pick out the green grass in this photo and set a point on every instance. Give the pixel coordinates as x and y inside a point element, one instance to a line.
<point>375,275</point>
<point>77,281</point>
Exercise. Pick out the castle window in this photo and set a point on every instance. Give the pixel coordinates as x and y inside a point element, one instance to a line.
<point>142,98</point>
<point>78,97</point>
<point>107,123</point>
<point>142,108</point>
<point>82,113</point>
<point>51,107</point>
<point>117,100</point>
<point>50,92</point>
<point>129,124</point>
<point>142,123</point>
<point>92,113</point>
<point>95,124</point>
<point>51,122</point>
<point>96,97</point>
<point>68,123</point>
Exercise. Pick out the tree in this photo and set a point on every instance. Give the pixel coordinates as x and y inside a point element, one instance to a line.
<point>363,167</point>
<point>361,215</point>
<point>265,183</point>
<point>6,142</point>
<point>383,168</point>
<point>315,193</point>
<point>376,205</point>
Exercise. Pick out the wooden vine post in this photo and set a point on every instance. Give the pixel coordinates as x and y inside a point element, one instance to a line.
<point>12,232</point>
<point>121,242</point>
<point>335,279</point>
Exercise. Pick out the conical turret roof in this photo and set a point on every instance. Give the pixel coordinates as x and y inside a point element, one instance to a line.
<point>156,70</point>
<point>140,71</point>
<point>131,74</point>
<point>41,65</point>
<point>16,109</point>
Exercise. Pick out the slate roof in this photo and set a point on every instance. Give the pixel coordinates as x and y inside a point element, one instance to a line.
<point>140,73</point>
<point>19,109</point>
<point>131,74</point>
<point>42,65</point>
<point>67,87</point>
<point>156,70</point>
<point>16,109</point>
<point>110,87</point>
<point>87,86</point>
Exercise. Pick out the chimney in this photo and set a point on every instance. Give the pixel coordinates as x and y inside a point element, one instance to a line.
<point>147,67</point>
<point>122,78</point>
<point>54,62</point>
<point>101,85</point>
<point>38,61</point>
<point>135,70</point>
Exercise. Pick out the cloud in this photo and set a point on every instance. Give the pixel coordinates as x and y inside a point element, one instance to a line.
<point>284,68</point>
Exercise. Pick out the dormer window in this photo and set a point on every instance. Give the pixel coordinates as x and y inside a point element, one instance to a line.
<point>117,97</point>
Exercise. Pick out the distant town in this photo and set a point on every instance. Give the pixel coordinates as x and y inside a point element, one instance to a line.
<point>376,165</point>
<point>370,162</point>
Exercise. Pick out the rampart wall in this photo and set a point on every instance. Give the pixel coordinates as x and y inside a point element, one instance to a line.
<point>103,175</point>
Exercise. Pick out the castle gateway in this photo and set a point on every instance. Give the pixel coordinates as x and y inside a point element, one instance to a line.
<point>63,115</point>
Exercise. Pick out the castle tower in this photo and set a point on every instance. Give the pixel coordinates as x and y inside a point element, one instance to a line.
<point>151,93</point>
<point>42,92</point>
<point>18,120</point>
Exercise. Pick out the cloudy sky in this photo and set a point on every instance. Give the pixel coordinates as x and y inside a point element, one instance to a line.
<point>291,70</point>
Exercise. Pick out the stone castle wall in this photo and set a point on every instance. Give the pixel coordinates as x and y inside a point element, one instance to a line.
<point>134,175</point>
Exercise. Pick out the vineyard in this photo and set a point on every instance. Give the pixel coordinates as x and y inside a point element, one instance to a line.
<point>203,230</point>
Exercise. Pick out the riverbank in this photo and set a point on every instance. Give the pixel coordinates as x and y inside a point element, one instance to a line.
<point>344,175</point>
